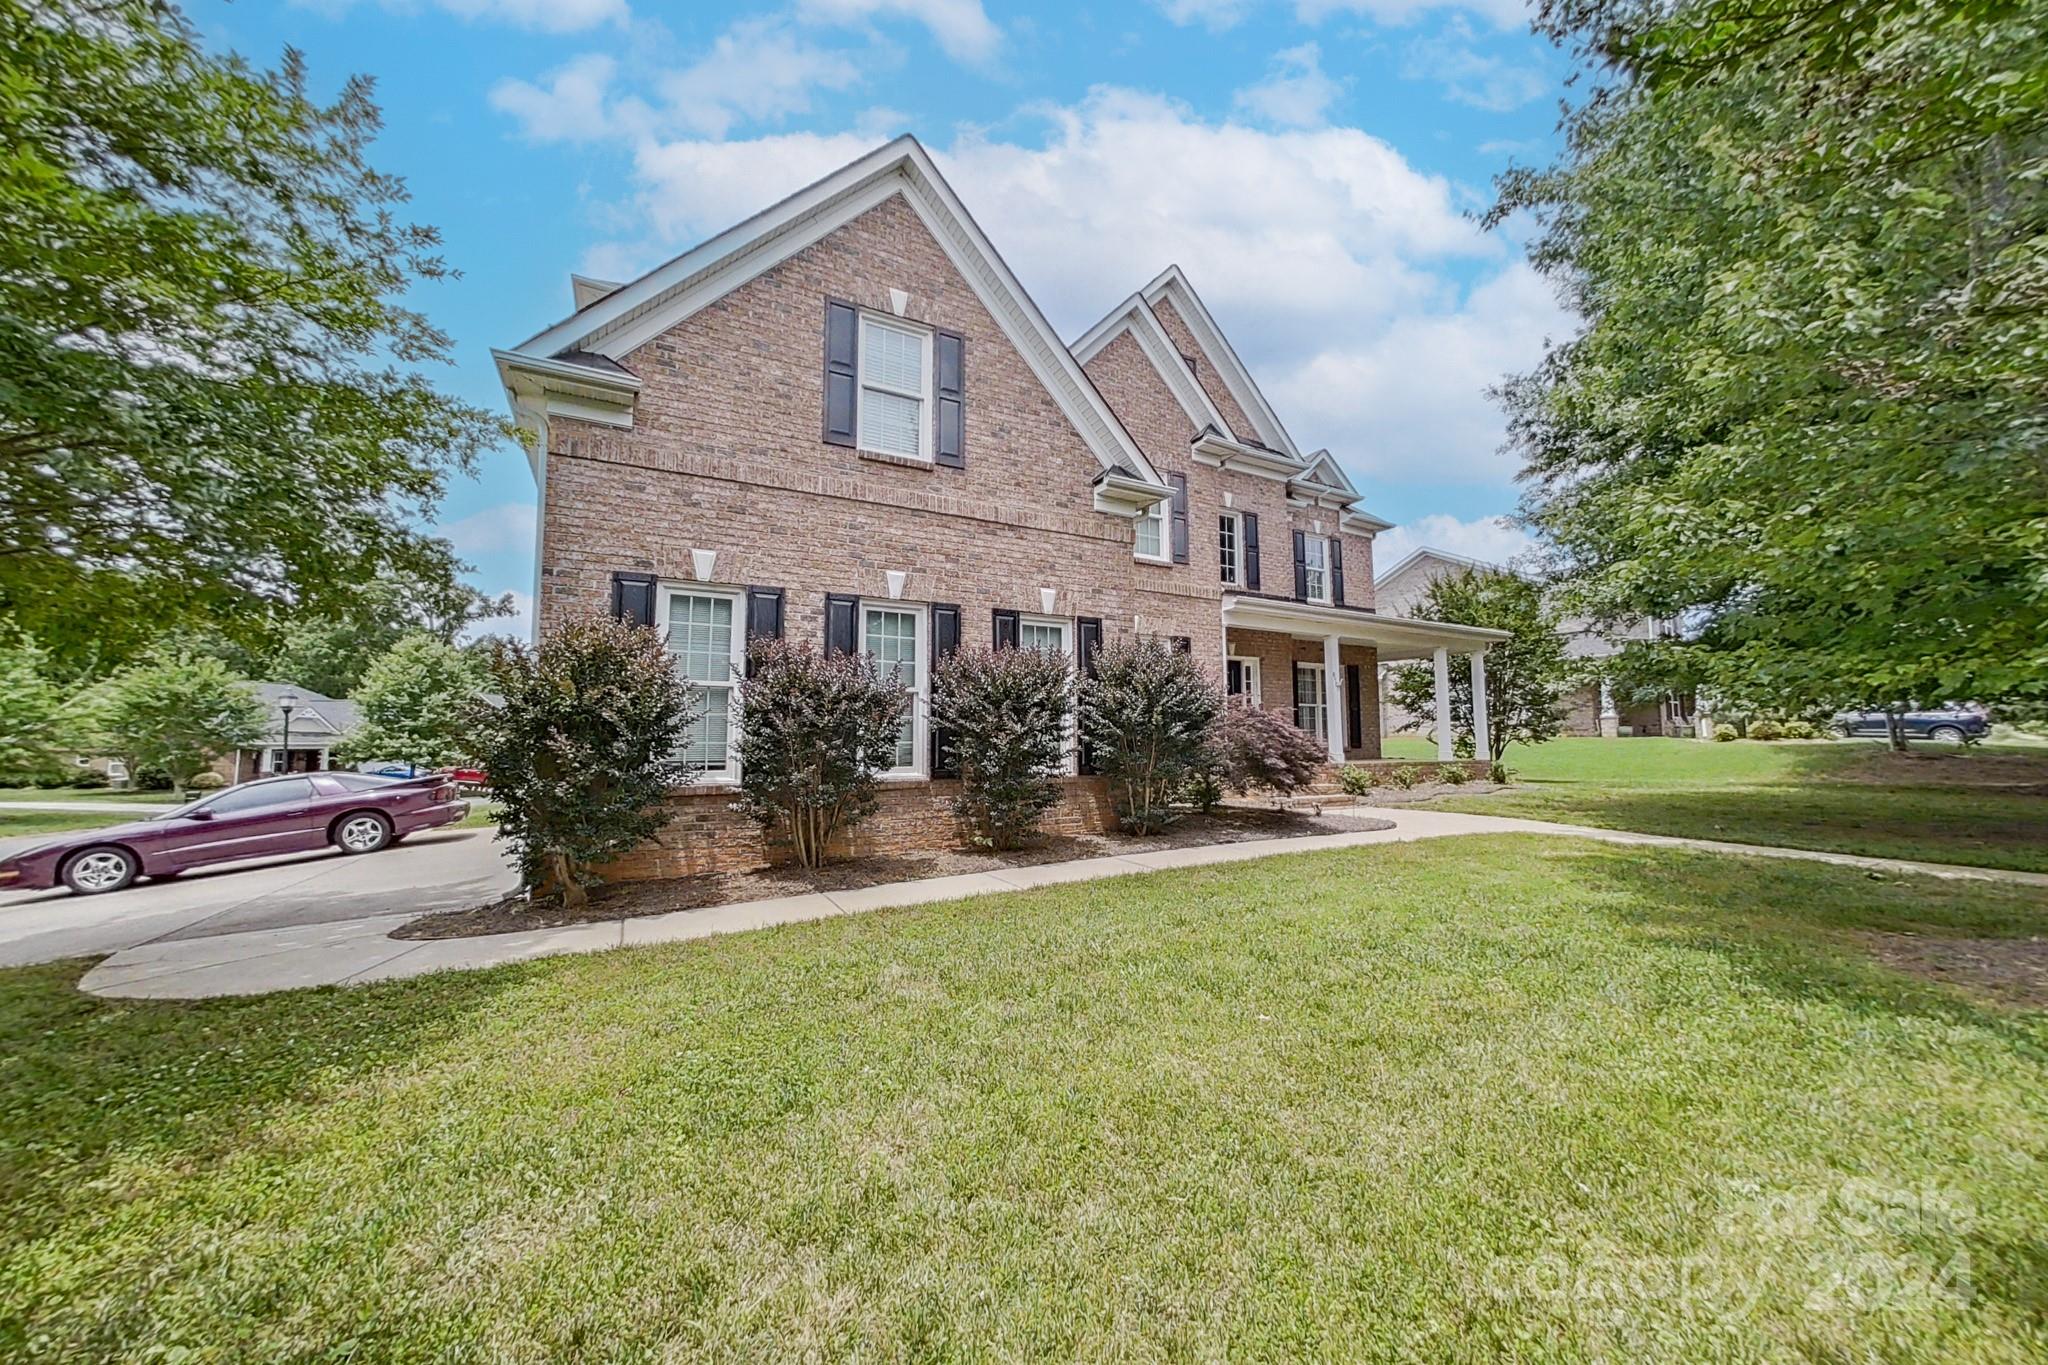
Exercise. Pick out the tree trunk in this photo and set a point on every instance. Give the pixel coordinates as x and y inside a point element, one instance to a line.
<point>1895,728</point>
<point>574,897</point>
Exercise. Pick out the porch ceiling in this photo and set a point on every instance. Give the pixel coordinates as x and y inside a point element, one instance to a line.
<point>1395,637</point>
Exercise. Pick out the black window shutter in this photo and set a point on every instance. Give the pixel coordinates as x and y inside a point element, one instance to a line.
<point>1300,566</point>
<point>1180,517</point>
<point>1087,640</point>
<point>944,643</point>
<point>842,623</point>
<point>950,356</point>
<point>764,619</point>
<point>842,350</point>
<point>1251,551</point>
<point>1353,730</point>
<point>1336,571</point>
<point>633,597</point>
<point>1183,644</point>
<point>1006,628</point>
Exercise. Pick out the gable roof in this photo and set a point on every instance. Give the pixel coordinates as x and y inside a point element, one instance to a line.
<point>1418,556</point>
<point>613,325</point>
<point>1172,285</point>
<point>1136,317</point>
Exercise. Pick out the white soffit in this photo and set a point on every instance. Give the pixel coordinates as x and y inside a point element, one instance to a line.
<point>640,311</point>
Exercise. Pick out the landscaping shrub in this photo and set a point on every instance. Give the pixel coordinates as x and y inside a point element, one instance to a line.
<point>1256,748</point>
<point>1724,733</point>
<point>1204,790</point>
<point>813,736</point>
<point>1146,716</point>
<point>208,781</point>
<point>1800,729</point>
<point>585,744</point>
<point>1356,781</point>
<point>1405,776</point>
<point>1766,730</point>
<point>1500,774</point>
<point>1005,716</point>
<point>1455,774</point>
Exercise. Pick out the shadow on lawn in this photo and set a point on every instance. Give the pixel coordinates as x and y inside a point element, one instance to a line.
<point>86,1081</point>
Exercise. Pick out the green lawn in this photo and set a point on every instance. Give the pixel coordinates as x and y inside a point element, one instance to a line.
<point>1987,806</point>
<point>86,794</point>
<point>1372,1103</point>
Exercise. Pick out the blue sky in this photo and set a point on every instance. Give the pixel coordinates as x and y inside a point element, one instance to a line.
<point>1312,165</point>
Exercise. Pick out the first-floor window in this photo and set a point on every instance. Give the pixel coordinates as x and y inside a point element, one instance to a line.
<point>1229,537</point>
<point>1053,636</point>
<point>1316,557</point>
<point>1151,538</point>
<point>1310,712</point>
<point>1241,677</point>
<point>703,639</point>
<point>891,636</point>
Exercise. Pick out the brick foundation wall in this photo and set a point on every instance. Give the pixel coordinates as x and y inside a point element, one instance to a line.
<point>705,834</point>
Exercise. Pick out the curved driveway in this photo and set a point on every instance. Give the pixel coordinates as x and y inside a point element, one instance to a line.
<point>435,870</point>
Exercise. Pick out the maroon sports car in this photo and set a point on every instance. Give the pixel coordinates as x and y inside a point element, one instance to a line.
<point>355,812</point>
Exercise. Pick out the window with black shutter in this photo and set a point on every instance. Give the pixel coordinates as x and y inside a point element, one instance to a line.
<point>633,597</point>
<point>842,372</point>
<point>945,642</point>
<point>1251,551</point>
<point>842,623</point>
<point>1087,641</point>
<point>950,354</point>
<point>1336,571</point>
<point>1301,566</point>
<point>1006,628</point>
<point>1180,517</point>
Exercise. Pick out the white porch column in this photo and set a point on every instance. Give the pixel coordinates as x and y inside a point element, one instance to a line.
<point>1482,734</point>
<point>1443,705</point>
<point>1333,699</point>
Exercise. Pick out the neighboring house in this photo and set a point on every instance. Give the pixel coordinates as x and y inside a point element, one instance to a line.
<point>844,420</point>
<point>317,725</point>
<point>1590,710</point>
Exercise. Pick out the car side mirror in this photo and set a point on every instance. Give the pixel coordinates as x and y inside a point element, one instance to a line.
<point>201,814</point>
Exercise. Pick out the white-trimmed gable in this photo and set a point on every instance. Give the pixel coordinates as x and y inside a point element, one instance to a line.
<point>1135,316</point>
<point>611,327</point>
<point>1172,285</point>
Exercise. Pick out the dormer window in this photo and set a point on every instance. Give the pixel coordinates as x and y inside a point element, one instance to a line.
<point>895,387</point>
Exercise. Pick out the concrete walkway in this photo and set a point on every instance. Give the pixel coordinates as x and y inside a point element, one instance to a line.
<point>361,950</point>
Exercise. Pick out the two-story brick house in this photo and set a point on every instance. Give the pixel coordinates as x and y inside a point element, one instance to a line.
<point>845,419</point>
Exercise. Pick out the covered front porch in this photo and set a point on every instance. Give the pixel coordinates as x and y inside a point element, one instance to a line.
<point>1319,665</point>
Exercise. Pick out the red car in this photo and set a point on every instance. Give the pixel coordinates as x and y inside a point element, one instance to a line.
<point>355,812</point>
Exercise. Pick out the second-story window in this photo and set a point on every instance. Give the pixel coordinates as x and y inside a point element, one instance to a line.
<point>1316,557</point>
<point>895,381</point>
<point>1230,548</point>
<point>1150,541</point>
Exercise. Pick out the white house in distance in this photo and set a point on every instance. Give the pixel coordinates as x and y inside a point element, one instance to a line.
<point>1590,710</point>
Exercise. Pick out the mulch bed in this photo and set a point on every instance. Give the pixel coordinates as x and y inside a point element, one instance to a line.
<point>2007,971</point>
<point>633,899</point>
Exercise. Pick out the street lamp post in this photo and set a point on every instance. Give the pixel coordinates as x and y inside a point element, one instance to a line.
<point>287,703</point>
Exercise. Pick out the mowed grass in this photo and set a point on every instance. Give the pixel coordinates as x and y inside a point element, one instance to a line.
<point>1986,807</point>
<point>20,822</point>
<point>1469,1099</point>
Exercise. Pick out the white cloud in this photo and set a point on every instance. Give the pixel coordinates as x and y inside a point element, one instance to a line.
<point>758,69</point>
<point>1214,15</point>
<point>1502,13</point>
<point>494,530</point>
<point>961,27</point>
<point>1470,76</point>
<point>1492,539</point>
<point>517,626</point>
<point>1295,93</point>
<point>1333,263</point>
<point>570,107</point>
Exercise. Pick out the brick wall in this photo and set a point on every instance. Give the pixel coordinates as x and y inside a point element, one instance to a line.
<point>704,833</point>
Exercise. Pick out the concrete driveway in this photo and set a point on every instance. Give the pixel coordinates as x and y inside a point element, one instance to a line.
<point>437,870</point>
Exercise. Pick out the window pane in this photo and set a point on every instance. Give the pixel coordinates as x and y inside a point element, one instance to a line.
<point>1226,547</point>
<point>709,737</point>
<point>892,358</point>
<point>1048,636</point>
<point>700,636</point>
<point>890,422</point>
<point>1149,533</point>
<point>891,638</point>
<point>1308,701</point>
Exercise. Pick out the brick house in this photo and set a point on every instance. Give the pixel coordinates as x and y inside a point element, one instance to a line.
<point>845,420</point>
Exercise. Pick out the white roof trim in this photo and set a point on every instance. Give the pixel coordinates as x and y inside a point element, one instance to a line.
<point>1414,557</point>
<point>1396,637</point>
<point>587,291</point>
<point>1135,316</point>
<point>617,324</point>
<point>1323,462</point>
<point>1173,284</point>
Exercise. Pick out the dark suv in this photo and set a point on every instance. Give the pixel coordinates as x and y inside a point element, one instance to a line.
<point>1944,727</point>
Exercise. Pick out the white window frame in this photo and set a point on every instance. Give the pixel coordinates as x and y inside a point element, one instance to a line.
<point>729,776</point>
<point>1069,743</point>
<point>1235,521</point>
<point>1251,676</point>
<point>1157,512</point>
<point>1319,708</point>
<point>920,700</point>
<point>1323,594</point>
<point>863,384</point>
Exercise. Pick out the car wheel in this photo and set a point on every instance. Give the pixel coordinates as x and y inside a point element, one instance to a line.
<point>364,831</point>
<point>1946,734</point>
<point>1845,730</point>
<point>94,871</point>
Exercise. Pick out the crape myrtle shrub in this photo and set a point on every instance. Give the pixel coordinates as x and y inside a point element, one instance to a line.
<point>1146,715</point>
<point>814,734</point>
<point>1004,712</point>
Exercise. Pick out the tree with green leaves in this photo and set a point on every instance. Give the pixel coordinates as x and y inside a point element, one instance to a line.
<point>1003,715</point>
<point>415,702</point>
<point>582,744</point>
<point>1146,713</point>
<point>37,728</point>
<point>329,653</point>
<point>212,410</point>
<point>173,714</point>
<point>1527,674</point>
<point>1811,396</point>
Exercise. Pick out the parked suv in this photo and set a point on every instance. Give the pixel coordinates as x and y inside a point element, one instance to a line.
<point>1944,727</point>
